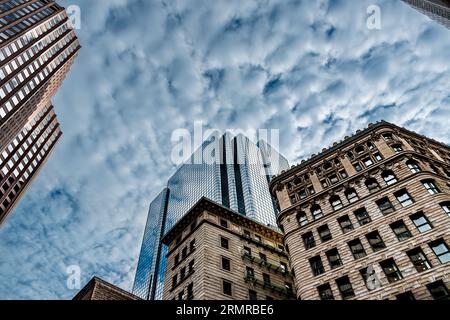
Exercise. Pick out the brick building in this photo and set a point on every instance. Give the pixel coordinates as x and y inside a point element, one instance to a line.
<point>218,254</point>
<point>98,289</point>
<point>369,218</point>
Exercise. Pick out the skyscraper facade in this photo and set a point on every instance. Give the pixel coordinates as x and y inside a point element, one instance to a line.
<point>230,170</point>
<point>438,10</point>
<point>37,48</point>
<point>368,219</point>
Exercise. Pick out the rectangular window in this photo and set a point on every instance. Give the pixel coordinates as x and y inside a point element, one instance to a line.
<point>368,162</point>
<point>192,245</point>
<point>302,194</point>
<point>401,230</point>
<point>182,273</point>
<point>325,292</point>
<point>345,288</point>
<point>357,249</point>
<point>324,233</point>
<point>421,222</point>
<point>345,223</point>
<point>266,279</point>
<point>262,257</point>
<point>446,207</point>
<point>363,217</point>
<point>375,241</point>
<point>190,292</point>
<point>316,266</point>
<point>247,252</point>
<point>406,296</point>
<point>391,270</point>
<point>250,273</point>
<point>176,260</point>
<point>431,187</point>
<point>252,295</point>
<point>226,264</point>
<point>343,174</point>
<point>308,240</point>
<point>227,288</point>
<point>334,179</point>
<point>181,295</point>
<point>438,290</point>
<point>174,281</point>
<point>334,258</point>
<point>224,243</point>
<point>419,260</point>
<point>224,223</point>
<point>385,206</point>
<point>441,250</point>
<point>404,198</point>
<point>357,166</point>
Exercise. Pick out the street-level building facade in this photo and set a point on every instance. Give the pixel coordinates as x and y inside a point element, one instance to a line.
<point>369,218</point>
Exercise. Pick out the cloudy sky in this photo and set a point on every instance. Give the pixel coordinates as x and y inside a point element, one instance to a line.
<point>309,68</point>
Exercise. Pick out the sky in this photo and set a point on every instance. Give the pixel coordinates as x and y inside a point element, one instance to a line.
<point>312,69</point>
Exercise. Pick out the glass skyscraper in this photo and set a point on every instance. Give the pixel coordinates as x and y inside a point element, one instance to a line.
<point>231,170</point>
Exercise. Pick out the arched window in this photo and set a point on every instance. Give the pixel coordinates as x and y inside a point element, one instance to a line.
<point>389,177</point>
<point>297,181</point>
<point>352,195</point>
<point>359,149</point>
<point>327,165</point>
<point>388,137</point>
<point>336,203</point>
<point>302,218</point>
<point>397,148</point>
<point>370,145</point>
<point>316,212</point>
<point>372,185</point>
<point>413,166</point>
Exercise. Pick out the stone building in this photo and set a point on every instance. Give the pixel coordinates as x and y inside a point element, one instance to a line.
<point>98,289</point>
<point>369,218</point>
<point>218,254</point>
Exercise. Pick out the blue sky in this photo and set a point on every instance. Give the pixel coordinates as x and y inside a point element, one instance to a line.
<point>309,68</point>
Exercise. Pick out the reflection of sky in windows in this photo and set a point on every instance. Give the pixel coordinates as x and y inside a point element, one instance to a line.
<point>240,183</point>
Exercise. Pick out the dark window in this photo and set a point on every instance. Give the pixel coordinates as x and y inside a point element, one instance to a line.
<point>343,174</point>
<point>302,219</point>
<point>247,252</point>
<point>421,222</point>
<point>397,148</point>
<point>345,223</point>
<point>391,270</point>
<point>177,260</point>
<point>226,264</point>
<point>406,296</point>
<point>378,156</point>
<point>316,266</point>
<point>441,250</point>
<point>446,207</point>
<point>401,230</point>
<point>190,292</point>
<point>334,179</point>
<point>375,241</point>
<point>181,295</point>
<point>438,290</point>
<point>358,167</point>
<point>250,273</point>
<point>419,260</point>
<point>431,187</point>
<point>227,288</point>
<point>224,243</point>
<point>360,149</point>
<point>325,292</point>
<point>334,258</point>
<point>258,238</point>
<point>283,267</point>
<point>269,298</point>
<point>184,253</point>
<point>316,211</point>
<point>324,183</point>
<point>302,194</point>
<point>252,295</point>
<point>352,195</point>
<point>191,266</point>
<point>345,288</point>
<point>311,190</point>
<point>404,198</point>
<point>192,245</point>
<point>263,257</point>
<point>388,137</point>
<point>183,273</point>
<point>174,281</point>
<point>389,177</point>
<point>357,249</point>
<point>362,216</point>
<point>288,287</point>
<point>224,223</point>
<point>336,203</point>
<point>324,233</point>
<point>308,240</point>
<point>372,185</point>
<point>385,206</point>
<point>247,234</point>
<point>413,166</point>
<point>266,279</point>
<point>193,225</point>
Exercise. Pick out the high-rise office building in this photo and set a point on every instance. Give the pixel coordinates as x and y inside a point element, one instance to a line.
<point>368,219</point>
<point>438,10</point>
<point>37,48</point>
<point>230,170</point>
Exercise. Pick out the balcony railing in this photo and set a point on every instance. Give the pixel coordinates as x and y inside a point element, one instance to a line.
<point>268,286</point>
<point>277,268</point>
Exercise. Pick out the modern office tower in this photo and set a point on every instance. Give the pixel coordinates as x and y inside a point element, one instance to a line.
<point>218,254</point>
<point>438,10</point>
<point>369,218</point>
<point>37,48</point>
<point>149,256</point>
<point>100,290</point>
<point>230,170</point>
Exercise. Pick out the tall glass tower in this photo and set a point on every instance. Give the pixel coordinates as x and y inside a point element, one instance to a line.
<point>231,170</point>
